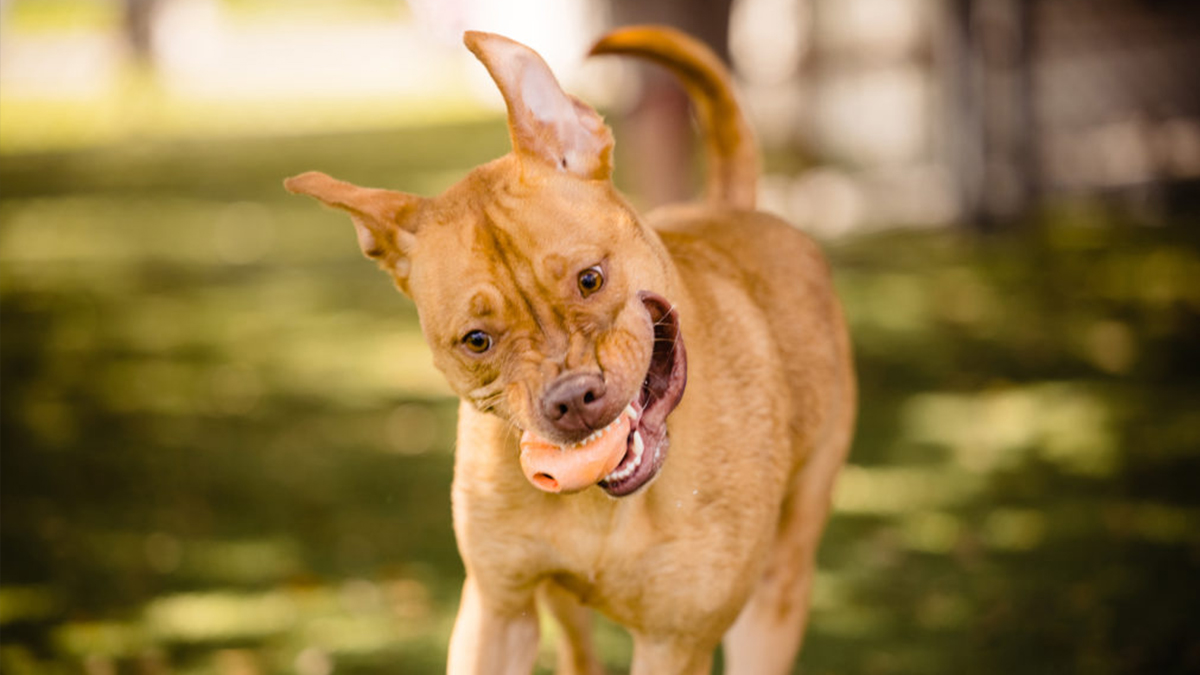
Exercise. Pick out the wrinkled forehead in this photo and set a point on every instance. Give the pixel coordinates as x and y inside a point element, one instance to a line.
<point>454,258</point>
<point>471,270</point>
<point>519,235</point>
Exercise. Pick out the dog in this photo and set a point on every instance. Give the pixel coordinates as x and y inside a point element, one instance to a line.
<point>653,408</point>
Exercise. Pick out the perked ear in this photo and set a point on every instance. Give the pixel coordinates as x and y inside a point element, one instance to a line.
<point>546,123</point>
<point>382,218</point>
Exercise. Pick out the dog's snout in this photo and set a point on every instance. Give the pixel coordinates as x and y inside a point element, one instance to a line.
<point>576,403</point>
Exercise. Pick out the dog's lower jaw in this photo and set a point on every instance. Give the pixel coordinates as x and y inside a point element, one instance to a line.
<point>638,470</point>
<point>646,450</point>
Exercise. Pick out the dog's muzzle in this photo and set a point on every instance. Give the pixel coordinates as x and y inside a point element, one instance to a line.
<point>624,454</point>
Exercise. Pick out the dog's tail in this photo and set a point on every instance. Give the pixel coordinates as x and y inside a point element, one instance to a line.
<point>733,162</point>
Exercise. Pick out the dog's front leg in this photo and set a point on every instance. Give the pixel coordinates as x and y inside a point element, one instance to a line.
<point>671,655</point>
<point>490,639</point>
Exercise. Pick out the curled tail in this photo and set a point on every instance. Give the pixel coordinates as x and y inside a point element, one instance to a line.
<point>732,152</point>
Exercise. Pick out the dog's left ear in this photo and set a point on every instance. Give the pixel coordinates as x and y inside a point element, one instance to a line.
<point>382,218</point>
<point>546,123</point>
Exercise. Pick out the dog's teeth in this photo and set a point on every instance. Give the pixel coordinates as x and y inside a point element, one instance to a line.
<point>592,436</point>
<point>633,414</point>
<point>639,446</point>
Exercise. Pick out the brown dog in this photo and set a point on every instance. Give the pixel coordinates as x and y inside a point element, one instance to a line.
<point>560,316</point>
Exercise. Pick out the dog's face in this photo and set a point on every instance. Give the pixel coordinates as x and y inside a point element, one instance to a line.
<point>541,294</point>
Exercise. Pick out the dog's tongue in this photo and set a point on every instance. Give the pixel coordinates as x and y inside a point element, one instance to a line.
<point>553,468</point>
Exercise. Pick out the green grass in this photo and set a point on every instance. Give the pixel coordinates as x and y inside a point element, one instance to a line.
<point>224,446</point>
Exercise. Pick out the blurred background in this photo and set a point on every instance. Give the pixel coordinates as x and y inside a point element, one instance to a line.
<point>223,448</point>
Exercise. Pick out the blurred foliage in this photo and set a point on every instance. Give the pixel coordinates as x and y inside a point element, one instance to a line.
<point>100,95</point>
<point>58,15</point>
<point>225,451</point>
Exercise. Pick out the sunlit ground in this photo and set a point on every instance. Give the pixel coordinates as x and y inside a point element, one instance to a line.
<point>224,449</point>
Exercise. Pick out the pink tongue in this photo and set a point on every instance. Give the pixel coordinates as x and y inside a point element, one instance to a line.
<point>555,469</point>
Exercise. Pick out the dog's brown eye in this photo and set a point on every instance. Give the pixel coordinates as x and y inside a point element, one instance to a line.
<point>590,280</point>
<point>477,341</point>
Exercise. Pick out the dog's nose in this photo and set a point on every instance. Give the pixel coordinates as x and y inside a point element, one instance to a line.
<point>575,403</point>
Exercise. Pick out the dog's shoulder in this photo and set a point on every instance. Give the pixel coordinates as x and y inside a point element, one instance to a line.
<point>738,259</point>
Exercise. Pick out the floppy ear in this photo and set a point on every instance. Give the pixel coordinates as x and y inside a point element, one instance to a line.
<point>382,218</point>
<point>546,124</point>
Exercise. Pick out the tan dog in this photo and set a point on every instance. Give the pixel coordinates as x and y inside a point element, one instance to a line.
<point>560,316</point>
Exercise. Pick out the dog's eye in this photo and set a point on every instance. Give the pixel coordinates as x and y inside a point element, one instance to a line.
<point>590,280</point>
<point>477,341</point>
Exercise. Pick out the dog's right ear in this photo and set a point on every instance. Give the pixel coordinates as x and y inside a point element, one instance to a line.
<point>547,124</point>
<point>382,218</point>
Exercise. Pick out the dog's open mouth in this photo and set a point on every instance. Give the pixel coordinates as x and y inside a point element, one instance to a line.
<point>625,455</point>
<point>660,393</point>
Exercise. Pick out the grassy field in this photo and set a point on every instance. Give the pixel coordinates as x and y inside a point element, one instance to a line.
<point>225,451</point>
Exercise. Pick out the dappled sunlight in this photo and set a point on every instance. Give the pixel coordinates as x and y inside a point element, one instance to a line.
<point>220,617</point>
<point>226,449</point>
<point>857,622</point>
<point>340,359</point>
<point>895,304</point>
<point>232,561</point>
<point>29,603</point>
<point>1026,457</point>
<point>413,429</point>
<point>312,628</point>
<point>1067,425</point>
<point>90,641</point>
<point>226,421</point>
<point>1014,529</point>
<point>895,490</point>
<point>931,531</point>
<point>1155,523</point>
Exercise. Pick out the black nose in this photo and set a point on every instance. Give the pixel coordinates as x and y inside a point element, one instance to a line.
<point>575,403</point>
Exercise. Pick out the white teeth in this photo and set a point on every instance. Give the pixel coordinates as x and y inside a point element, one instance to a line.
<point>594,435</point>
<point>633,417</point>
<point>639,446</point>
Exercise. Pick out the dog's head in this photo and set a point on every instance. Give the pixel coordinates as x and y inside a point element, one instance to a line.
<point>542,295</point>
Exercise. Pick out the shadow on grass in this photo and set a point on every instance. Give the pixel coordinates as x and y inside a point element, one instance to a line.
<point>224,449</point>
